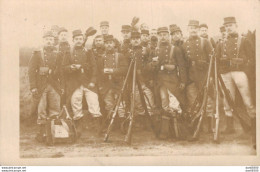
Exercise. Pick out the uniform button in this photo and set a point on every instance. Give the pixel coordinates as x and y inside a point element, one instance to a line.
<point>197,55</point>
<point>197,44</point>
<point>234,54</point>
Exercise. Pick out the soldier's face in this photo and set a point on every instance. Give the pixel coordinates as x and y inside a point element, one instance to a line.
<point>109,45</point>
<point>153,33</point>
<point>63,37</point>
<point>176,36</point>
<point>164,37</point>
<point>126,34</point>
<point>203,32</point>
<point>78,41</point>
<point>193,30</point>
<point>144,37</point>
<point>135,42</point>
<point>231,28</point>
<point>48,41</point>
<point>104,30</point>
<point>99,42</point>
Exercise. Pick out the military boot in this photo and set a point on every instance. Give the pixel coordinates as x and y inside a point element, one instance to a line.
<point>40,137</point>
<point>229,126</point>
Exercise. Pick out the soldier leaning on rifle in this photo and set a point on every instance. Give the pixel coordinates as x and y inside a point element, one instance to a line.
<point>164,65</point>
<point>197,53</point>
<point>80,70</point>
<point>114,69</point>
<point>144,77</point>
<point>44,75</point>
<point>235,55</point>
<point>204,34</point>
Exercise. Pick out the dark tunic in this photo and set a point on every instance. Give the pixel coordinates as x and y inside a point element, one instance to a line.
<point>48,59</point>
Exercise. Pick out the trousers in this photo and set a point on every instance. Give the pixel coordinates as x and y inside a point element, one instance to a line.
<point>91,99</point>
<point>169,101</point>
<point>238,79</point>
<point>49,104</point>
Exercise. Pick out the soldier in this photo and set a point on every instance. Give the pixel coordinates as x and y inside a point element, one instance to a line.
<point>235,55</point>
<point>80,70</point>
<point>63,45</point>
<point>55,29</point>
<point>204,34</point>
<point>114,69</point>
<point>145,38</point>
<point>144,77</point>
<point>104,28</point>
<point>44,75</point>
<point>126,34</point>
<point>176,35</point>
<point>165,64</point>
<point>197,53</point>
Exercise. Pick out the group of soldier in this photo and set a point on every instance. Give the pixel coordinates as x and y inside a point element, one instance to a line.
<point>171,71</point>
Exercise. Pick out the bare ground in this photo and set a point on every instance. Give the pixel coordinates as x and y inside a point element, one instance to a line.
<point>144,143</point>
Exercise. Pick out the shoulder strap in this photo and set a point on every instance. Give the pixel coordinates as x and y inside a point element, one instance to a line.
<point>42,56</point>
<point>238,44</point>
<point>201,44</point>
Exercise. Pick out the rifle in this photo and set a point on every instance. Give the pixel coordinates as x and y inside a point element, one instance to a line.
<point>128,136</point>
<point>216,131</point>
<point>202,109</point>
<point>244,119</point>
<point>115,109</point>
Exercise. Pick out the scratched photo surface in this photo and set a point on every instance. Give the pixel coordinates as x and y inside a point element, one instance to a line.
<point>149,78</point>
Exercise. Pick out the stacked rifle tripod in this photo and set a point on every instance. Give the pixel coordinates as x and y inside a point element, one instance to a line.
<point>198,109</point>
<point>135,82</point>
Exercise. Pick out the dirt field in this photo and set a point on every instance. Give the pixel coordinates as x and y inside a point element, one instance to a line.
<point>144,142</point>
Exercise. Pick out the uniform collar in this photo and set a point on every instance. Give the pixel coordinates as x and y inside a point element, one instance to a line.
<point>194,37</point>
<point>137,47</point>
<point>110,52</point>
<point>48,49</point>
<point>78,47</point>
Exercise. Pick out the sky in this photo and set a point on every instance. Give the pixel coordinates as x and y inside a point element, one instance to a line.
<point>28,19</point>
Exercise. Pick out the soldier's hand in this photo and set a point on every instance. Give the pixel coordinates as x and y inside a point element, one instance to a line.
<point>34,91</point>
<point>91,85</point>
<point>62,91</point>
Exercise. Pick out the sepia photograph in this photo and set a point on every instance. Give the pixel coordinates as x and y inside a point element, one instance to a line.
<point>147,78</point>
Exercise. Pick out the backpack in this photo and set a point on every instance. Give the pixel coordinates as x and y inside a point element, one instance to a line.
<point>60,129</point>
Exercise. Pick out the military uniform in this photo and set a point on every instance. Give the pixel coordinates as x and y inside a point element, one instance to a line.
<point>144,76</point>
<point>235,55</point>
<point>197,53</point>
<point>169,80</point>
<point>112,82</point>
<point>77,81</point>
<point>44,72</point>
<point>213,43</point>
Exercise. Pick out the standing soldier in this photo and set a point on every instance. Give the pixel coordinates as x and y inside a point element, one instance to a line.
<point>114,70</point>
<point>235,55</point>
<point>98,52</point>
<point>80,71</point>
<point>223,32</point>
<point>204,34</point>
<point>104,28</point>
<point>144,76</point>
<point>197,53</point>
<point>165,64</point>
<point>55,29</point>
<point>44,75</point>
